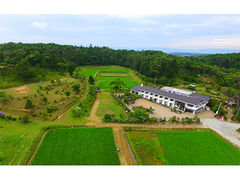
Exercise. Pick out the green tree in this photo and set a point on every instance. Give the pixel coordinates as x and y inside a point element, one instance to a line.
<point>29,104</point>
<point>44,99</point>
<point>117,84</point>
<point>141,115</point>
<point>91,80</point>
<point>67,93</point>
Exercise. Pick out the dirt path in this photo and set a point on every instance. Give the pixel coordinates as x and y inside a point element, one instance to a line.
<point>124,154</point>
<point>93,116</point>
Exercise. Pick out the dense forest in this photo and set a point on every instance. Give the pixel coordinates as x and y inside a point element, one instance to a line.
<point>32,62</point>
<point>159,66</point>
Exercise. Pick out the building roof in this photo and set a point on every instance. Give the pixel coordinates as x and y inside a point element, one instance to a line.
<point>194,98</point>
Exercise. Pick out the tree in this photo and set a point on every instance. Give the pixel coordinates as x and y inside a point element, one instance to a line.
<point>67,93</point>
<point>29,104</point>
<point>91,80</point>
<point>117,84</point>
<point>141,115</point>
<point>76,88</point>
<point>44,99</point>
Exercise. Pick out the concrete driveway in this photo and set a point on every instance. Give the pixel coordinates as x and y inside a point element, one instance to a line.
<point>225,129</point>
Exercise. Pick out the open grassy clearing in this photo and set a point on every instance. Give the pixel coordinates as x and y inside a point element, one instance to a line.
<point>104,75</point>
<point>195,147</point>
<point>77,146</point>
<point>107,105</point>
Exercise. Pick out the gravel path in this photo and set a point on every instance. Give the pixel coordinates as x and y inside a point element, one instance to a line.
<point>225,129</point>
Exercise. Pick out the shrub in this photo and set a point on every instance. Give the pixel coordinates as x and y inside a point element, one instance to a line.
<point>153,119</point>
<point>108,117</point>
<point>29,104</point>
<point>25,119</point>
<point>2,96</point>
<point>44,99</point>
<point>51,108</point>
<point>76,88</point>
<point>76,111</point>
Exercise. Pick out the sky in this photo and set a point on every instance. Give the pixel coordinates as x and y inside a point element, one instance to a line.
<point>177,32</point>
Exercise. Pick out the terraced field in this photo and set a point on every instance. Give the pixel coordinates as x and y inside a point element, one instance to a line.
<point>104,75</point>
<point>77,146</point>
<point>200,147</point>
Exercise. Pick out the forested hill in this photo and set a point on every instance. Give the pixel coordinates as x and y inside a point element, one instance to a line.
<point>227,61</point>
<point>158,66</point>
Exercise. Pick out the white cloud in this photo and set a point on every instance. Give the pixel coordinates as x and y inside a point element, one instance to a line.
<point>40,25</point>
<point>5,29</point>
<point>221,42</point>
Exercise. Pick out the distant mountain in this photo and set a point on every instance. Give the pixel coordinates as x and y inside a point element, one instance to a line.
<point>184,51</point>
<point>182,54</point>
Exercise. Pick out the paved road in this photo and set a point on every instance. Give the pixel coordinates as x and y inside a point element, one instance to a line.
<point>226,129</point>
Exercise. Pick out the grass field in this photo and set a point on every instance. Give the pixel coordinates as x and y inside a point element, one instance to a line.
<point>77,146</point>
<point>104,75</point>
<point>17,139</point>
<point>200,147</point>
<point>107,105</point>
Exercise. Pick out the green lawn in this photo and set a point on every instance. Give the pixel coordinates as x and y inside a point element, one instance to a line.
<point>77,146</point>
<point>200,147</point>
<point>107,105</point>
<point>104,75</point>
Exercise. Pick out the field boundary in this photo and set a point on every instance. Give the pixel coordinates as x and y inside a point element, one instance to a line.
<point>39,142</point>
<point>132,154</point>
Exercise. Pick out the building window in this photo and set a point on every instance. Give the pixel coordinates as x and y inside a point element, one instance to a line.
<point>146,92</point>
<point>142,91</point>
<point>161,97</point>
<point>151,94</point>
<point>156,95</point>
<point>166,98</point>
<point>190,105</point>
<point>171,100</point>
<point>146,96</point>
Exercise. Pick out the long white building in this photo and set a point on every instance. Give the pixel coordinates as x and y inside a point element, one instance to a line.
<point>174,98</point>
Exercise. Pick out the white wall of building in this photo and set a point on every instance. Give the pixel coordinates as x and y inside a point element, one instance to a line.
<point>169,101</point>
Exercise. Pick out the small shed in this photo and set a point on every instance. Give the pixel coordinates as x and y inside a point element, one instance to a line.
<point>192,85</point>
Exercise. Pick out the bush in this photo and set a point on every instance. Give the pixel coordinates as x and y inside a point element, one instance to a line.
<point>51,108</point>
<point>154,119</point>
<point>108,117</point>
<point>29,104</point>
<point>3,96</point>
<point>25,119</point>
